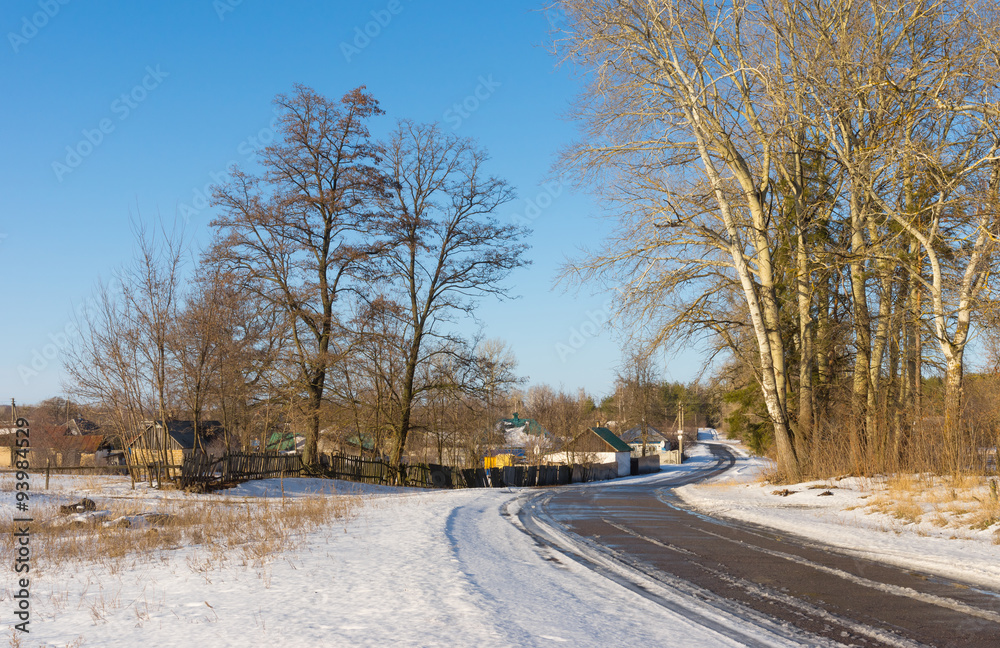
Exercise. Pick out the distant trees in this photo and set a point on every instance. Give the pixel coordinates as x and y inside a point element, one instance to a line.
<point>636,397</point>
<point>811,180</point>
<point>642,399</point>
<point>564,415</point>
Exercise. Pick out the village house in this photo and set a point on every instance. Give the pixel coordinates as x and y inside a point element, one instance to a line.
<point>157,443</point>
<point>656,441</point>
<point>79,426</point>
<point>596,445</point>
<point>286,442</point>
<point>8,442</point>
<point>523,440</point>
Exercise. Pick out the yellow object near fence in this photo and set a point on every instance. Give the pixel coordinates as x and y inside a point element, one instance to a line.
<point>499,461</point>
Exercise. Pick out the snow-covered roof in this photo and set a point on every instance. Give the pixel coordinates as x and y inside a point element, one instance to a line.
<point>634,435</point>
<point>524,433</point>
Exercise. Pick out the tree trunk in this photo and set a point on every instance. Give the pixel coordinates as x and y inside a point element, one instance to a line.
<point>862,341</point>
<point>310,451</point>
<point>399,445</point>
<point>805,419</point>
<point>953,386</point>
<point>764,320</point>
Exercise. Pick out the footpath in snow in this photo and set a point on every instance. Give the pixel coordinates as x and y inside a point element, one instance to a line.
<point>922,526</point>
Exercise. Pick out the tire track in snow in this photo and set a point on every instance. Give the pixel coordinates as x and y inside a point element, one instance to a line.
<point>897,609</point>
<point>679,597</point>
<point>536,594</point>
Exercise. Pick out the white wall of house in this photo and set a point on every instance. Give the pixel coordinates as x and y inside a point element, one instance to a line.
<point>651,448</point>
<point>622,459</point>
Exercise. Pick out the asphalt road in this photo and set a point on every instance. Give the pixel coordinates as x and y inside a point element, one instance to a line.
<point>728,574</point>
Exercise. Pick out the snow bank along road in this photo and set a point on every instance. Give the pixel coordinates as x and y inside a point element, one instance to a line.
<point>747,583</point>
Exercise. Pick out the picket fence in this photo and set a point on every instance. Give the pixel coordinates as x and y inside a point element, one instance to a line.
<point>201,472</point>
<point>373,471</point>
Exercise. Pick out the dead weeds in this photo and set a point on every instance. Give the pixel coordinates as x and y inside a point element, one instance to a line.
<point>963,501</point>
<point>248,532</point>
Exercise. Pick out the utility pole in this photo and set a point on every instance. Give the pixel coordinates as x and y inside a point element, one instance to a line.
<point>680,420</point>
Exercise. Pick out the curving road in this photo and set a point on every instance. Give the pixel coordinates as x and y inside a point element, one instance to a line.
<point>726,575</point>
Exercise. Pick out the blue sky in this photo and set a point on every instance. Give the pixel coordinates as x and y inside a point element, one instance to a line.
<point>119,110</point>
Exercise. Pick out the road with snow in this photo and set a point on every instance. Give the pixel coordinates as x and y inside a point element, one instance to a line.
<point>640,535</point>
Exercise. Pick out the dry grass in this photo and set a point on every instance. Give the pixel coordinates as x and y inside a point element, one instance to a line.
<point>224,531</point>
<point>959,502</point>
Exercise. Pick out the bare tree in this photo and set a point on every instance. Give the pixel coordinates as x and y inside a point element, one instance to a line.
<point>807,155</point>
<point>443,249</point>
<point>905,97</point>
<point>120,360</point>
<point>681,140</point>
<point>223,345</point>
<point>103,364</point>
<point>368,383</point>
<point>292,233</point>
<point>636,383</point>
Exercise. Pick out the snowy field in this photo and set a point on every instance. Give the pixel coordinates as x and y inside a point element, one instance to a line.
<point>408,567</point>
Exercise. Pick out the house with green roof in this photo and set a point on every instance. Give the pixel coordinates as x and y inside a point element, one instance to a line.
<point>526,433</point>
<point>519,441</point>
<point>597,445</point>
<point>285,442</point>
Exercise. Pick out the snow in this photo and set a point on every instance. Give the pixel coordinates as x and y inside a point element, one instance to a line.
<point>412,567</point>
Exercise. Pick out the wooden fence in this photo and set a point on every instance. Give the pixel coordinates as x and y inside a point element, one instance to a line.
<point>357,469</point>
<point>373,471</point>
<point>519,476</point>
<point>243,466</point>
<point>543,475</point>
<point>201,472</point>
